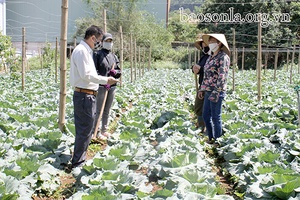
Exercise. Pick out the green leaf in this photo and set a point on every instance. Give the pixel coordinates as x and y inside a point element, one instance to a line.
<point>14,196</point>
<point>125,188</point>
<point>268,156</point>
<point>193,176</point>
<point>164,193</point>
<point>274,169</point>
<point>141,194</point>
<point>181,160</point>
<point>131,133</point>
<point>28,133</point>
<point>17,174</point>
<point>28,165</point>
<point>204,189</point>
<point>123,153</point>
<point>99,194</point>
<point>106,164</point>
<point>110,176</point>
<point>247,148</point>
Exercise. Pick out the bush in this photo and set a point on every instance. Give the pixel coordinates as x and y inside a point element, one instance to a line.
<point>7,54</point>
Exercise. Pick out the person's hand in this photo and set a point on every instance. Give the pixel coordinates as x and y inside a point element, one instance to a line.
<point>112,72</point>
<point>200,94</point>
<point>112,80</point>
<point>196,69</point>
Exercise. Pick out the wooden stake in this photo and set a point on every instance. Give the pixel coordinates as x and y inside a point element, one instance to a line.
<point>190,57</point>
<point>56,53</point>
<point>63,65</point>
<point>75,42</point>
<point>139,53</point>
<point>299,62</point>
<point>135,59</point>
<point>266,62</point>
<point>196,76</point>
<point>287,59</point>
<point>104,20</point>
<point>144,62</point>
<point>258,65</point>
<point>292,63</point>
<point>243,58</point>
<point>131,59</point>
<point>121,53</point>
<point>149,60</point>
<point>234,60</point>
<point>23,58</point>
<point>41,58</point>
<point>276,63</point>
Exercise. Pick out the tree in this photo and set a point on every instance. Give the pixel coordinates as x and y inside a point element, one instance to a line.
<point>276,30</point>
<point>183,30</point>
<point>141,24</point>
<point>7,54</point>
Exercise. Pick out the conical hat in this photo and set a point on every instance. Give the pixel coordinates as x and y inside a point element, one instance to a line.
<point>221,38</point>
<point>198,41</point>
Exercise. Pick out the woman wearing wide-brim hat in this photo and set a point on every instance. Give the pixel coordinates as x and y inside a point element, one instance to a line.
<point>214,84</point>
<point>198,70</point>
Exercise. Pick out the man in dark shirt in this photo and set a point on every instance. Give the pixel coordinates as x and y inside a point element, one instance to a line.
<point>199,69</point>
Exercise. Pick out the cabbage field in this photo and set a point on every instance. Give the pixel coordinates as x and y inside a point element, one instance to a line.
<point>155,152</point>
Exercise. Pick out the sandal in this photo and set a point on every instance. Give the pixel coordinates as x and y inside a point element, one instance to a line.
<point>101,137</point>
<point>106,134</point>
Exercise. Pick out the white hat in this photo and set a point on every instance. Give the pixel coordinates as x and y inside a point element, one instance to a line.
<point>221,38</point>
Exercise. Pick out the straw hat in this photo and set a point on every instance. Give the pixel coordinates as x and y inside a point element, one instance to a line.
<point>198,41</point>
<point>221,38</point>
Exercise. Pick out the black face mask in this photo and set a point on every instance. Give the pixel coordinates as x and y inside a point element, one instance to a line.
<point>205,50</point>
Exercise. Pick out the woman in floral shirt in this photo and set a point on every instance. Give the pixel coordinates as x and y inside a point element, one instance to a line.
<point>214,84</point>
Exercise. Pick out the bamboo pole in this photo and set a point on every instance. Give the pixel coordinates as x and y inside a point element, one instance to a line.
<point>293,55</point>
<point>56,53</point>
<point>287,59</point>
<point>41,58</point>
<point>149,60</point>
<point>139,55</point>
<point>75,42</point>
<point>243,58</point>
<point>121,53</point>
<point>298,100</point>
<point>131,59</point>
<point>234,60</point>
<point>299,62</point>
<point>276,63</point>
<point>135,59</point>
<point>63,65</point>
<point>23,58</point>
<point>196,76</point>
<point>190,56</point>
<point>292,63</point>
<point>258,65</point>
<point>104,20</point>
<point>266,62</point>
<point>144,62</point>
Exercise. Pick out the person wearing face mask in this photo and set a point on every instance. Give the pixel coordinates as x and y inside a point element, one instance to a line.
<point>199,69</point>
<point>214,85</point>
<point>107,64</point>
<point>85,81</point>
